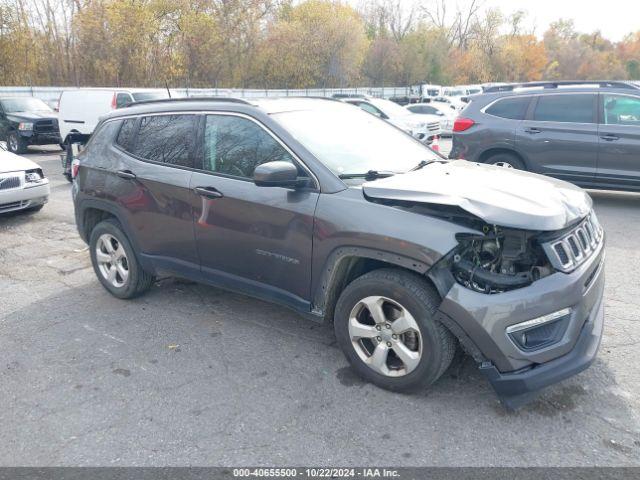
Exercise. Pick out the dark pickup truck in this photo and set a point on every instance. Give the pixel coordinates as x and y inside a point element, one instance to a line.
<point>27,121</point>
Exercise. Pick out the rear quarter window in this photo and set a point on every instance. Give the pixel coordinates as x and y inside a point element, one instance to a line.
<point>100,139</point>
<point>513,108</point>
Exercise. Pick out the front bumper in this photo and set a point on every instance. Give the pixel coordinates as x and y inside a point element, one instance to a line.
<point>482,321</point>
<point>36,138</point>
<point>21,198</point>
<point>517,388</point>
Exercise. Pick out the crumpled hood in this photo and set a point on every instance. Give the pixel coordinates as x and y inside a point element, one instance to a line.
<point>15,163</point>
<point>497,195</point>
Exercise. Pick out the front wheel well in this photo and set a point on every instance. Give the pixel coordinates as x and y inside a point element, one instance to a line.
<point>349,269</point>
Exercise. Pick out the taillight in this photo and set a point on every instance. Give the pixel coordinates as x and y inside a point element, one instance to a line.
<point>75,166</point>
<point>114,103</point>
<point>462,124</point>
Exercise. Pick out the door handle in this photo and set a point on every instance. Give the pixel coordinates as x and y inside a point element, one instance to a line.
<point>208,192</point>
<point>128,174</point>
<point>532,130</point>
<point>609,137</point>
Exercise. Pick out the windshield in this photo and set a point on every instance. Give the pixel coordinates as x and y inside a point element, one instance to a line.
<point>142,96</point>
<point>390,108</point>
<point>455,93</point>
<point>353,141</point>
<point>27,104</point>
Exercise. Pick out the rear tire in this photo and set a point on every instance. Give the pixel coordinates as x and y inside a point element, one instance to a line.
<point>425,347</point>
<point>115,263</point>
<point>506,160</point>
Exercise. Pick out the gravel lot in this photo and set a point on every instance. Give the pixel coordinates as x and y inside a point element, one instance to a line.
<point>192,375</point>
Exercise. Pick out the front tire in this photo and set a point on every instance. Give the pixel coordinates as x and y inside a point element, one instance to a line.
<point>384,323</point>
<point>115,262</point>
<point>16,144</point>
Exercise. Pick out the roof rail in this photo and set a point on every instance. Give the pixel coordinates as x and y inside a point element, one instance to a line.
<point>601,83</point>
<point>193,99</point>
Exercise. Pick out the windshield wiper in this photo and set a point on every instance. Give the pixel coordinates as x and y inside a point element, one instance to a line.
<point>370,175</point>
<point>423,163</point>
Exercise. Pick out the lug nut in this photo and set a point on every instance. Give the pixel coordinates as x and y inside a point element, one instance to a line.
<point>394,336</point>
<point>378,327</point>
<point>378,338</point>
<point>388,326</point>
<point>388,344</point>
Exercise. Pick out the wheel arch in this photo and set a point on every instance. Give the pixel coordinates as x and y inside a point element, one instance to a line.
<point>487,154</point>
<point>346,264</point>
<point>91,212</point>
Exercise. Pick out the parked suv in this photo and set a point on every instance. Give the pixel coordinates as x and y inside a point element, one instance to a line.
<point>27,121</point>
<point>328,210</point>
<point>584,132</point>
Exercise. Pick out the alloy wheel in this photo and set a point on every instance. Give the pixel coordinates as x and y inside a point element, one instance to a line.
<point>385,336</point>
<point>112,260</point>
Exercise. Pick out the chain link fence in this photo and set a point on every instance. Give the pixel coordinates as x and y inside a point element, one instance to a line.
<point>51,94</point>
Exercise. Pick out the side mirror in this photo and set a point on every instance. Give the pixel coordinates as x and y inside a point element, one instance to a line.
<point>277,174</point>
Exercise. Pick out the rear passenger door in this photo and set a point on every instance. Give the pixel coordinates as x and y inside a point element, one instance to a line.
<point>152,180</point>
<point>560,136</point>
<point>619,141</point>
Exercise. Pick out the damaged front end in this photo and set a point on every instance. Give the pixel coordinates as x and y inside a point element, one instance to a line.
<point>499,260</point>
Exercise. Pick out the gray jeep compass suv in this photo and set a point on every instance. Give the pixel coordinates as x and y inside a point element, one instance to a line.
<point>587,133</point>
<point>328,210</point>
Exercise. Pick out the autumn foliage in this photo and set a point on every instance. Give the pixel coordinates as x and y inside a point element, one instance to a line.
<point>286,44</point>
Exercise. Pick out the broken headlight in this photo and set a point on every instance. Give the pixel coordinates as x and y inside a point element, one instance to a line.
<point>499,260</point>
<point>33,176</point>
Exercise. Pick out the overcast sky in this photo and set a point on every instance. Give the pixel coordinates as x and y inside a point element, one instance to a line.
<point>614,18</point>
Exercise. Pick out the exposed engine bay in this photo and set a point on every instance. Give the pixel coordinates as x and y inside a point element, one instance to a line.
<point>500,260</point>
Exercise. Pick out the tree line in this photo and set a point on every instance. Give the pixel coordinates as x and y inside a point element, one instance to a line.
<point>293,44</point>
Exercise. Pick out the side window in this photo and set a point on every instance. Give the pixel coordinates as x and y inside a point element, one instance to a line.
<point>513,108</point>
<point>125,135</point>
<point>367,107</point>
<point>621,110</point>
<point>166,139</point>
<point>236,146</point>
<point>123,100</point>
<point>101,138</point>
<point>573,108</point>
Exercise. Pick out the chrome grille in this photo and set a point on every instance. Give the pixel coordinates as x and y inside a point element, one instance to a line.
<point>433,126</point>
<point>9,182</point>
<point>575,247</point>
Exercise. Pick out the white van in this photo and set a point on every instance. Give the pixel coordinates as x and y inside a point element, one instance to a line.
<point>81,109</point>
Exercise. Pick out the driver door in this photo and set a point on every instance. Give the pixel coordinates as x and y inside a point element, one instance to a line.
<point>250,238</point>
